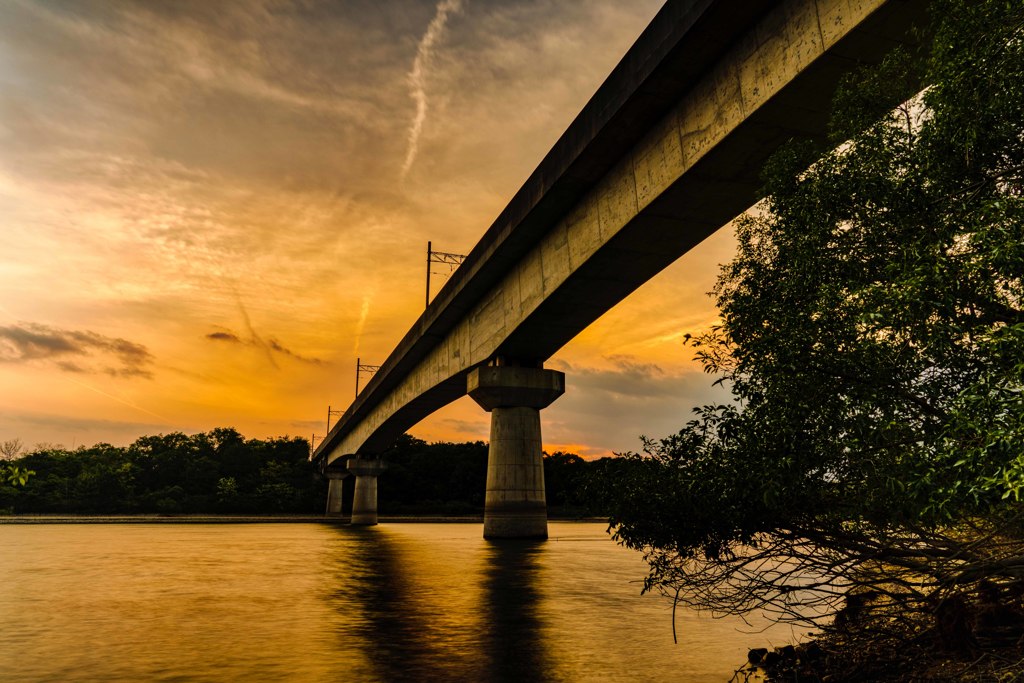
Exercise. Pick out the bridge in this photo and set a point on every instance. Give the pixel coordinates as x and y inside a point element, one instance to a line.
<point>667,151</point>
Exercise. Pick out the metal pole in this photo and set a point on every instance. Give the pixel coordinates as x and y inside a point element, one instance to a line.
<point>328,419</point>
<point>428,275</point>
<point>357,377</point>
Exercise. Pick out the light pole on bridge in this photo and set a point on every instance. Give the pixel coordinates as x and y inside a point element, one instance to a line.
<point>453,261</point>
<point>312,443</point>
<point>362,368</point>
<point>334,413</point>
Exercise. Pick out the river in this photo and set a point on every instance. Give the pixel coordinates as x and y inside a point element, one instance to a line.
<point>312,602</point>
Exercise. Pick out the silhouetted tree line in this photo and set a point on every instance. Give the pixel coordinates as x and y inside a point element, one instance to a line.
<point>222,472</point>
<point>216,471</point>
<point>451,478</point>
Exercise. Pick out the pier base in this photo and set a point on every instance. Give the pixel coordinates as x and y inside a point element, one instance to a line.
<point>364,501</point>
<point>335,493</point>
<point>515,505</point>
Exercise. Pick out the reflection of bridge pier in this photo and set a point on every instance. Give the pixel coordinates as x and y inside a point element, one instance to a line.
<point>388,630</point>
<point>405,613</point>
<point>667,151</point>
<point>514,637</point>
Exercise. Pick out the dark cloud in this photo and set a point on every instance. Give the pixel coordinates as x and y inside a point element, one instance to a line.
<point>627,378</point>
<point>29,342</point>
<point>224,336</point>
<point>276,346</point>
<point>270,345</point>
<point>68,366</point>
<point>644,398</point>
<point>469,429</point>
<point>26,342</point>
<point>127,372</point>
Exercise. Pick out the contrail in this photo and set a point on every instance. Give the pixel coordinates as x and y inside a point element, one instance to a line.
<point>255,338</point>
<point>116,398</point>
<point>362,323</point>
<point>417,79</point>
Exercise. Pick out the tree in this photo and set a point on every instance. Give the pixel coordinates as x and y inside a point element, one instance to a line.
<point>10,449</point>
<point>872,336</point>
<point>11,474</point>
<point>15,476</point>
<point>563,481</point>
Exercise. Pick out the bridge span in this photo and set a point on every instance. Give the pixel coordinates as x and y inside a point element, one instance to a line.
<point>667,151</point>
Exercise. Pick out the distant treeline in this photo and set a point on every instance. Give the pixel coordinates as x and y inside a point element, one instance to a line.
<point>451,478</point>
<point>216,471</point>
<point>222,472</point>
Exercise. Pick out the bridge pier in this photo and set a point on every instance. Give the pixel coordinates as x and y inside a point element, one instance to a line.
<point>514,503</point>
<point>336,480</point>
<point>364,500</point>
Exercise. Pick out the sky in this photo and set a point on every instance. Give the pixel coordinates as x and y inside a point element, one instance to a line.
<point>210,210</point>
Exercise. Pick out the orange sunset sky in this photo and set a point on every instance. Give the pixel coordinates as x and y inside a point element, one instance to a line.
<point>208,210</point>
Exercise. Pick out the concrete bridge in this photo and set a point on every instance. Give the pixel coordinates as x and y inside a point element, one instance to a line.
<point>667,151</point>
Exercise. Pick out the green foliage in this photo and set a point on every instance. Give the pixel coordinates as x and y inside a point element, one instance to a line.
<point>872,335</point>
<point>14,476</point>
<point>217,471</point>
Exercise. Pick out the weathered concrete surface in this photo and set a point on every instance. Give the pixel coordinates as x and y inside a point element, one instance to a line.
<point>364,499</point>
<point>336,473</point>
<point>515,504</point>
<point>509,386</point>
<point>335,488</point>
<point>667,151</point>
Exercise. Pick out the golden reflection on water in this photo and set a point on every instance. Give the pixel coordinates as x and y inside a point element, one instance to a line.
<point>291,602</point>
<point>425,608</point>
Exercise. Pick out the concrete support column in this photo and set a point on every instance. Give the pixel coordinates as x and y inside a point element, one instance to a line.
<point>334,492</point>
<point>514,503</point>
<point>364,500</point>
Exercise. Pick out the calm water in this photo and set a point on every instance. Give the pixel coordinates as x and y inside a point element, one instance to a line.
<point>298,602</point>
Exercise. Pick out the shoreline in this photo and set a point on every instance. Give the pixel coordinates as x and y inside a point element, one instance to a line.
<point>254,519</point>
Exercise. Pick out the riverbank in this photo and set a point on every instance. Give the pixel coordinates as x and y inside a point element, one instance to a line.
<point>968,642</point>
<point>250,519</point>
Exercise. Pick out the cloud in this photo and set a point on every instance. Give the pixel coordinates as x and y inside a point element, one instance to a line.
<point>28,342</point>
<point>269,346</point>
<point>643,398</point>
<point>471,430</point>
<point>417,77</point>
<point>305,425</point>
<point>627,378</point>
<point>254,339</point>
<point>276,346</point>
<point>224,336</point>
